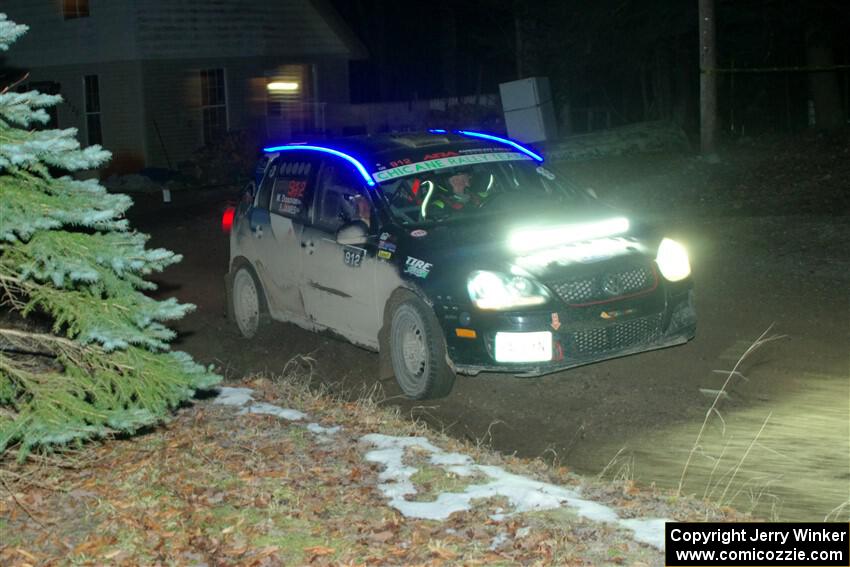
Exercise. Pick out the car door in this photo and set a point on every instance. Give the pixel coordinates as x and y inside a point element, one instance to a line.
<point>277,222</point>
<point>338,282</point>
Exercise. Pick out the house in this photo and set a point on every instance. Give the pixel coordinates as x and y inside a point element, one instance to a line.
<point>154,80</point>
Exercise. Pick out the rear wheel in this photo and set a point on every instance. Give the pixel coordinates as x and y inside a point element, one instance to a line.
<point>247,302</point>
<point>418,352</point>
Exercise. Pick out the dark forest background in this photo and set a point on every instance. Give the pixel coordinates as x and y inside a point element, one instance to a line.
<point>613,61</point>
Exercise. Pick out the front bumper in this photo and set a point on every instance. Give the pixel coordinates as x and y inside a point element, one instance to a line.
<point>579,335</point>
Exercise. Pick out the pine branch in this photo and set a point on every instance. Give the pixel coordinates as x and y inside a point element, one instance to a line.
<point>67,254</point>
<point>40,344</point>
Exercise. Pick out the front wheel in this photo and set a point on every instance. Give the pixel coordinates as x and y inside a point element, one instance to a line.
<point>418,352</point>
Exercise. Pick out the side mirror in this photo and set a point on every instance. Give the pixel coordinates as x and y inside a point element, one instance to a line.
<point>353,233</point>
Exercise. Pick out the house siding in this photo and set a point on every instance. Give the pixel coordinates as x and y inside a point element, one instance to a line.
<point>208,28</point>
<point>108,34</point>
<point>120,86</point>
<point>148,55</point>
<point>169,29</point>
<point>173,103</point>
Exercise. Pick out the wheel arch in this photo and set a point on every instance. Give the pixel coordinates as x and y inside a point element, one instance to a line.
<point>398,296</point>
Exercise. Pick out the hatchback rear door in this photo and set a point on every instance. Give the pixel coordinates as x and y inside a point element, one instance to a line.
<point>283,208</point>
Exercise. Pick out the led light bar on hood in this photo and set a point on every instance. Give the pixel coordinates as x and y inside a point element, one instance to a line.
<point>526,239</point>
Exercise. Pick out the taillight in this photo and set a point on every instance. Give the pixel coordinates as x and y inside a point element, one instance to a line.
<point>227,219</point>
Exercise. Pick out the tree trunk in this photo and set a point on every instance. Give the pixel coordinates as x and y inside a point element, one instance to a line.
<point>518,47</point>
<point>824,89</point>
<point>662,81</point>
<point>644,93</point>
<point>684,108</point>
<point>708,78</point>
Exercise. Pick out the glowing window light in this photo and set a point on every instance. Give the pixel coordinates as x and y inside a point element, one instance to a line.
<point>337,153</point>
<point>283,86</point>
<point>520,147</point>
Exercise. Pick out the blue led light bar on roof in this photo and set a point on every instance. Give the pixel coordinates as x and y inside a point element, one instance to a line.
<point>353,161</point>
<point>437,131</point>
<point>520,147</point>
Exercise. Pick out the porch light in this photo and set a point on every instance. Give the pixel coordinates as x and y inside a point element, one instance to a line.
<point>283,87</point>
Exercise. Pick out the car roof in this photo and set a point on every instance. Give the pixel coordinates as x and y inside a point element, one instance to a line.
<point>379,149</point>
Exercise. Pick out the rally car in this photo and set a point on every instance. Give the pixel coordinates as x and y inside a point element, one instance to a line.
<point>450,252</point>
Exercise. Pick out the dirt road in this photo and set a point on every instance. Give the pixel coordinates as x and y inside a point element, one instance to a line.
<point>638,415</point>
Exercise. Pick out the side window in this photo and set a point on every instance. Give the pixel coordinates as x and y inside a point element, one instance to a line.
<point>342,197</point>
<point>293,187</point>
<point>266,185</point>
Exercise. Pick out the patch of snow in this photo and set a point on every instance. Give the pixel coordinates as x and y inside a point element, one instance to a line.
<point>649,531</point>
<point>497,541</point>
<point>522,532</point>
<point>233,396</point>
<point>524,494</point>
<point>244,396</point>
<point>271,409</point>
<point>322,430</point>
<point>450,459</point>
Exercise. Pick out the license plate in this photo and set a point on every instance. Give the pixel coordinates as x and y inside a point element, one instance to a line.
<point>524,347</point>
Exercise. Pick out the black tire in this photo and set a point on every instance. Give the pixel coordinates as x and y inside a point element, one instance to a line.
<point>418,352</point>
<point>246,301</point>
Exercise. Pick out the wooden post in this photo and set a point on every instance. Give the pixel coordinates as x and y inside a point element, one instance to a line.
<point>708,78</point>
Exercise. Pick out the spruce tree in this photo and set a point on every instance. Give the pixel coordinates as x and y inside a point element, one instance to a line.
<point>83,351</point>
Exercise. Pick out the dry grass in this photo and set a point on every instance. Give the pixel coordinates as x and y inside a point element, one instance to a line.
<point>714,411</point>
<point>212,486</point>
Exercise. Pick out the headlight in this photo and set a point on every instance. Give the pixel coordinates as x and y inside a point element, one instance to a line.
<point>493,290</point>
<point>672,260</point>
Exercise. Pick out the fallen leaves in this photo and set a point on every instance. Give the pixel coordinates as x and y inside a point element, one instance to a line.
<point>217,488</point>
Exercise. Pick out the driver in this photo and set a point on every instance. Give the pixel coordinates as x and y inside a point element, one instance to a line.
<point>456,192</point>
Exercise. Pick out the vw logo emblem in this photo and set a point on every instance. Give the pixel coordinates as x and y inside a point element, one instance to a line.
<point>612,285</point>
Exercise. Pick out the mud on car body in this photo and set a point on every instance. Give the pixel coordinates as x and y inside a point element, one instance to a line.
<point>450,253</point>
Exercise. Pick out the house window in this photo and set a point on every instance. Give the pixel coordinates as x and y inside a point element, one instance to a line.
<point>213,104</point>
<point>93,131</point>
<point>72,9</point>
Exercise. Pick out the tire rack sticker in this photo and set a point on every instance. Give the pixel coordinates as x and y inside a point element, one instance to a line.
<point>352,256</point>
<point>416,267</point>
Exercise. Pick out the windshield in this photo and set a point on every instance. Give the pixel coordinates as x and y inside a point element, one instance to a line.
<point>469,191</point>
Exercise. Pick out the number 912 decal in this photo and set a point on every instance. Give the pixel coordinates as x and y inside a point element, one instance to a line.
<point>352,256</point>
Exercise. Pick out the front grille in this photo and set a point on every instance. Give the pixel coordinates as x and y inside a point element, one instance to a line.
<point>574,291</point>
<point>606,285</point>
<point>617,336</point>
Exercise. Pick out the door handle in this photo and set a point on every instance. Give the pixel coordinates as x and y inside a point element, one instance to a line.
<point>258,231</point>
